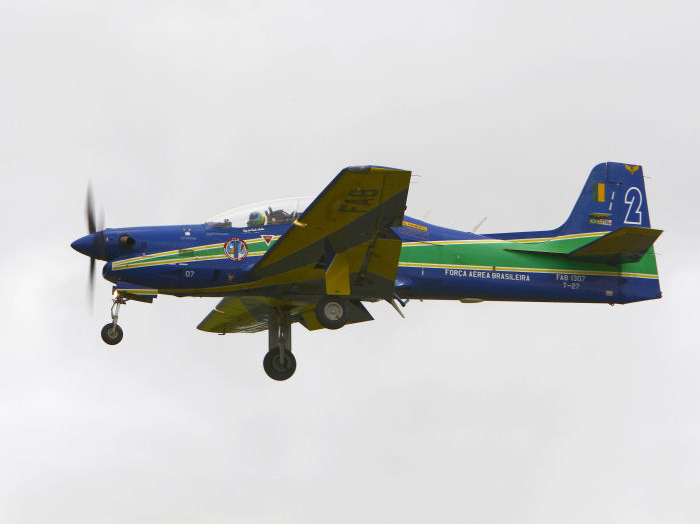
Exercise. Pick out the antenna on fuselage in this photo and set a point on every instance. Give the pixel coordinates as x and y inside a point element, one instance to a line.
<point>479,224</point>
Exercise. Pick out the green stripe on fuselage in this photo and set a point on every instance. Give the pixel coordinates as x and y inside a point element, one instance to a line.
<point>190,254</point>
<point>490,254</point>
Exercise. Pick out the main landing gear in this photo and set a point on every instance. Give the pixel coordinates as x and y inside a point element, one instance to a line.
<point>332,312</point>
<point>112,333</point>
<point>279,363</point>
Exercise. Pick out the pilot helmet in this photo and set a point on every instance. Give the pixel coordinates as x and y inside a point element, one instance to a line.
<point>256,218</point>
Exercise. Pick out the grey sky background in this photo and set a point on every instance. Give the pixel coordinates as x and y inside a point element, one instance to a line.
<point>489,412</point>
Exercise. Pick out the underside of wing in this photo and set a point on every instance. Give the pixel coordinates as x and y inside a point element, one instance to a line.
<point>237,315</point>
<point>252,314</point>
<point>343,243</point>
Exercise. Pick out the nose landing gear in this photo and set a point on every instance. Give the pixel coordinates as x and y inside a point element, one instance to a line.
<point>112,333</point>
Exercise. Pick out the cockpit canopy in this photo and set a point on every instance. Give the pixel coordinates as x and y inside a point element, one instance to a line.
<point>269,213</point>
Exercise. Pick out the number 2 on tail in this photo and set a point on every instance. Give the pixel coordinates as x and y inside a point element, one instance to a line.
<point>633,199</point>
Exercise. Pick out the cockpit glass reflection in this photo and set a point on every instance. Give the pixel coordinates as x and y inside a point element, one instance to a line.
<point>270,213</point>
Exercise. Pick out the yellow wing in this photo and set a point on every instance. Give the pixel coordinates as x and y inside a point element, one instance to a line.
<point>236,315</point>
<point>342,244</point>
<point>251,314</point>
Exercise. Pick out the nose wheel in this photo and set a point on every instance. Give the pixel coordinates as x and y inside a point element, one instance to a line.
<point>279,363</point>
<point>112,333</point>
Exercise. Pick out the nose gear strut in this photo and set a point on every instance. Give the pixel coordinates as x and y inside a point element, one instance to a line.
<point>112,333</point>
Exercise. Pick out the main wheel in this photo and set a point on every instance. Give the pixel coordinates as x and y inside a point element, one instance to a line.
<point>275,369</point>
<point>112,334</point>
<point>332,312</point>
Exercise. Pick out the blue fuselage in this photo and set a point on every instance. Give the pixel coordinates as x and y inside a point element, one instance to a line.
<point>435,263</point>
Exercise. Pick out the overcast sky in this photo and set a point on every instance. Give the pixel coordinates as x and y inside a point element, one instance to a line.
<point>490,413</point>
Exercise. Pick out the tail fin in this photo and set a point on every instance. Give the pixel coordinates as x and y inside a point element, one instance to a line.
<point>613,197</point>
<point>613,202</point>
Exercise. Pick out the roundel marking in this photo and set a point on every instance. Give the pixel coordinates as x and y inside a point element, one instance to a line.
<point>236,249</point>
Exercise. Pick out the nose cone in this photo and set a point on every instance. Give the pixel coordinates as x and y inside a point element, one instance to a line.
<point>86,245</point>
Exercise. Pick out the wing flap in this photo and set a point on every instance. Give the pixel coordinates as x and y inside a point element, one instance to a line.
<point>338,275</point>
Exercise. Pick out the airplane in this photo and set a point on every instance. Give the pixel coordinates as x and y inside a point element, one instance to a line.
<point>315,261</point>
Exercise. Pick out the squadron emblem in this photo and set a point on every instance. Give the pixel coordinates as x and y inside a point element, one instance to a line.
<point>236,249</point>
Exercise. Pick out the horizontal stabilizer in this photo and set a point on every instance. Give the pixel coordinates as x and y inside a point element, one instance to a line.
<point>624,245</point>
<point>627,244</point>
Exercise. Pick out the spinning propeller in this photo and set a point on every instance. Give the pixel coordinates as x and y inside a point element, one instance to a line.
<point>96,244</point>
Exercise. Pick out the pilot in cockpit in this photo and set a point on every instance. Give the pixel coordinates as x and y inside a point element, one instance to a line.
<point>280,216</point>
<point>256,219</point>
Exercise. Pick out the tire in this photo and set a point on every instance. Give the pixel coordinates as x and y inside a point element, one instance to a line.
<point>274,368</point>
<point>112,336</point>
<point>332,312</point>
